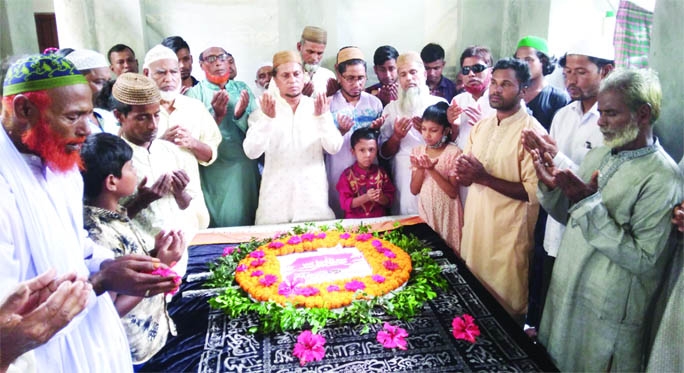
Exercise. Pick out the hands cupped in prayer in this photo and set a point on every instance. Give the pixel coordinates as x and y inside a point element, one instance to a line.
<point>344,123</point>
<point>130,275</point>
<point>402,126</point>
<point>268,105</point>
<point>220,103</point>
<point>321,104</point>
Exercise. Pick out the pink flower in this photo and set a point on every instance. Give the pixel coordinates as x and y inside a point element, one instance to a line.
<point>345,235</point>
<point>257,273</point>
<point>390,265</point>
<point>308,237</point>
<point>168,272</point>
<point>380,249</point>
<point>294,240</point>
<point>392,337</point>
<point>378,278</point>
<point>354,285</point>
<point>241,268</point>
<point>228,250</point>
<point>376,243</point>
<point>309,347</point>
<point>332,288</point>
<point>364,237</point>
<point>277,235</point>
<point>321,235</point>
<point>275,245</point>
<point>287,288</point>
<point>257,254</point>
<point>268,280</point>
<point>465,328</point>
<point>257,262</point>
<point>390,254</point>
<point>307,291</point>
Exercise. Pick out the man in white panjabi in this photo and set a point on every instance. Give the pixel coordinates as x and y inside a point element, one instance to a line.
<point>293,131</point>
<point>317,79</point>
<point>401,131</point>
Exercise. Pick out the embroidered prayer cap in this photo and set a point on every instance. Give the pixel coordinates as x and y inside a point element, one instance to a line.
<point>157,53</point>
<point>285,57</point>
<point>594,47</point>
<point>86,59</point>
<point>534,42</point>
<point>38,72</point>
<point>349,53</point>
<point>135,89</point>
<point>315,34</point>
<point>409,58</point>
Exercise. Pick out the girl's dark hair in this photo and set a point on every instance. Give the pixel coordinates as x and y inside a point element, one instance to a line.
<point>103,154</point>
<point>437,113</point>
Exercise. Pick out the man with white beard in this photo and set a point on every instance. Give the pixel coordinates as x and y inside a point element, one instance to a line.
<point>401,132</point>
<point>317,79</point>
<point>184,121</point>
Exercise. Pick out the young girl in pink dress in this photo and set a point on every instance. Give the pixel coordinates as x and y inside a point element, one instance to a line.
<point>438,198</point>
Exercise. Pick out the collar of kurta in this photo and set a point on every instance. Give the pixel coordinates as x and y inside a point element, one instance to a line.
<point>215,87</point>
<point>360,171</point>
<point>522,112</point>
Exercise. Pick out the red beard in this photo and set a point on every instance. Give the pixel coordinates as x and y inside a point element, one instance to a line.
<point>52,148</point>
<point>218,79</point>
<point>476,89</point>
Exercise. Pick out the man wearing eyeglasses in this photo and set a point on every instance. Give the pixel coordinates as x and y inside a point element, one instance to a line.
<point>469,107</point>
<point>231,183</point>
<point>352,109</point>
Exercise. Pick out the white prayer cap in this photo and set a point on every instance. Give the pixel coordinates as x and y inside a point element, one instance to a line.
<point>158,52</point>
<point>594,47</point>
<point>85,59</point>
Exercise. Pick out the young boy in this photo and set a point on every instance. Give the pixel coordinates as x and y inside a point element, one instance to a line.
<point>365,189</point>
<point>109,176</point>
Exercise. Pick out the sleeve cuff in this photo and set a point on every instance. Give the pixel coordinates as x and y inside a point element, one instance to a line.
<point>584,206</point>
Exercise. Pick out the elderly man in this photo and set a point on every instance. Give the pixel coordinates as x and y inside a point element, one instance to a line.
<point>616,244</point>
<point>400,133</point>
<point>182,50</point>
<point>352,109</point>
<point>95,68</point>
<point>174,198</point>
<point>122,60</point>
<point>46,104</point>
<point>317,79</point>
<point>385,67</point>
<point>231,183</point>
<point>433,59</point>
<point>293,131</point>
<point>574,132</point>
<point>501,209</point>
<point>263,78</point>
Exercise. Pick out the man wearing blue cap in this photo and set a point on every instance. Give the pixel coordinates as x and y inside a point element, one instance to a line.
<point>46,104</point>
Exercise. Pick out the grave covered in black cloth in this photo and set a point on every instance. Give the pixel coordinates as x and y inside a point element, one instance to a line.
<point>208,341</point>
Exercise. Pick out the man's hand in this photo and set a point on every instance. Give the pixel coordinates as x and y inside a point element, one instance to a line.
<point>344,123</point>
<point>242,104</point>
<point>401,127</point>
<point>573,187</point>
<point>159,189</point>
<point>543,166</point>
<point>678,217</point>
<point>469,170</point>
<point>321,105</point>
<point>179,181</point>
<point>331,87</point>
<point>543,143</point>
<point>180,136</point>
<point>28,319</point>
<point>454,113</point>
<point>474,114</point>
<point>169,246</point>
<point>130,275</point>
<point>308,89</point>
<point>378,122</point>
<point>417,123</point>
<point>268,105</point>
<point>220,105</point>
<point>387,93</point>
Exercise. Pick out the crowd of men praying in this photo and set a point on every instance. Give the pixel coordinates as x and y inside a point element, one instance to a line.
<point>555,194</point>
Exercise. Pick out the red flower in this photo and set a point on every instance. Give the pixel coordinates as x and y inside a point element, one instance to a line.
<point>364,237</point>
<point>258,262</point>
<point>257,254</point>
<point>228,250</point>
<point>354,285</point>
<point>378,278</point>
<point>268,280</point>
<point>309,347</point>
<point>392,337</point>
<point>241,268</point>
<point>390,265</point>
<point>465,328</point>
<point>168,272</point>
<point>308,237</point>
<point>345,235</point>
<point>257,273</point>
<point>275,245</point>
<point>294,240</point>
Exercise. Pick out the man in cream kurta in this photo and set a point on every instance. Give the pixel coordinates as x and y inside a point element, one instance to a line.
<point>501,209</point>
<point>292,131</point>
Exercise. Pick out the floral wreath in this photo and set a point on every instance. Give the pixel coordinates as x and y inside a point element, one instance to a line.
<point>282,306</point>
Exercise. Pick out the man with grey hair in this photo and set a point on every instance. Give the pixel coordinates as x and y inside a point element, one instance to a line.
<point>401,131</point>
<point>616,244</point>
<point>317,79</point>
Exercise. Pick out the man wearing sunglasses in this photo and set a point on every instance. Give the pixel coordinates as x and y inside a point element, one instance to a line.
<point>231,183</point>
<point>469,107</point>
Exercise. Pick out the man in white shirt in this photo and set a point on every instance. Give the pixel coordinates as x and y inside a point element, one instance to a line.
<point>311,47</point>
